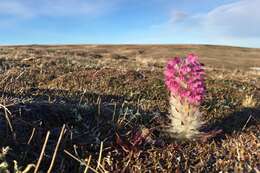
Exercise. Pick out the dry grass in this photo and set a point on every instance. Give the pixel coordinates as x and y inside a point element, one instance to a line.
<point>249,101</point>
<point>114,109</point>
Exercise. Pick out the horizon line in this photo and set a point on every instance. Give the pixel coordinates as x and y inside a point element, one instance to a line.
<point>123,44</point>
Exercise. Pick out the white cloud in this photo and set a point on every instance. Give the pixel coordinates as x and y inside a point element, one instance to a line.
<point>34,8</point>
<point>239,20</point>
<point>178,16</point>
<point>14,8</point>
<point>75,7</point>
<point>236,23</point>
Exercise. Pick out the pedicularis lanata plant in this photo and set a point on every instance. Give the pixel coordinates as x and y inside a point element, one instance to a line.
<point>184,77</point>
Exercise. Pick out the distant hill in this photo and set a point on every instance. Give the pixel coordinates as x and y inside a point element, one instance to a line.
<point>211,55</point>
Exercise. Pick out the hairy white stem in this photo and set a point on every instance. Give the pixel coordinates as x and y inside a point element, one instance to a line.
<point>185,119</point>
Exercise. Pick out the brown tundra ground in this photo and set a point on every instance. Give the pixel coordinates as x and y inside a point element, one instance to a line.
<point>108,97</point>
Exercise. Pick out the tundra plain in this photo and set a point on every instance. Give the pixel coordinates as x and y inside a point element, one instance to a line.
<point>103,108</point>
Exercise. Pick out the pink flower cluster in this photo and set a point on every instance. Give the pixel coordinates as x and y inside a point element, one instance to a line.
<point>184,77</point>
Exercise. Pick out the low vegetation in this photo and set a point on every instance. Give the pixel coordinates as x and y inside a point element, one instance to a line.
<point>99,109</point>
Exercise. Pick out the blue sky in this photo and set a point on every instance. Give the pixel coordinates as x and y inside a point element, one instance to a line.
<point>227,22</point>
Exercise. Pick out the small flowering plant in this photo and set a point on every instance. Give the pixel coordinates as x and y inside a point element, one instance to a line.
<point>184,78</point>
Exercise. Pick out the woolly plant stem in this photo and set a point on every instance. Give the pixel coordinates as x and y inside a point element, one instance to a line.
<point>185,119</point>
